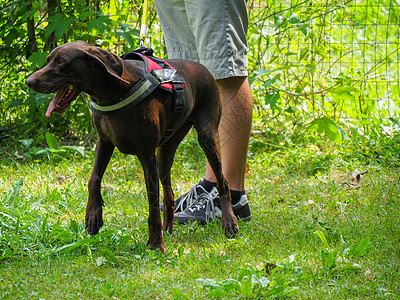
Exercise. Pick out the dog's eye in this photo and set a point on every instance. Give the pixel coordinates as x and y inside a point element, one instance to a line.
<point>60,61</point>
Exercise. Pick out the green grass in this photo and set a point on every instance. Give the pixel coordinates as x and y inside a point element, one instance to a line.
<point>310,237</point>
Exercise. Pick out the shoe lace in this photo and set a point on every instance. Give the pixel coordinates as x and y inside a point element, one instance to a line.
<point>205,201</point>
<point>190,198</point>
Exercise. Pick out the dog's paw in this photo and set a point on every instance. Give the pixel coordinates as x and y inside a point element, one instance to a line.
<point>94,221</point>
<point>93,227</point>
<point>157,245</point>
<point>231,228</point>
<point>231,231</point>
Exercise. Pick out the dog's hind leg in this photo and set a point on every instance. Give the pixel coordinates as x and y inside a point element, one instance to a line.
<point>166,153</point>
<point>209,141</point>
<point>151,175</point>
<point>94,210</point>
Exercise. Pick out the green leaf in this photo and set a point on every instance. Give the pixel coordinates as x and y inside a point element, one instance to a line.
<point>84,15</point>
<point>38,151</point>
<point>26,142</point>
<point>246,287</point>
<point>217,293</point>
<point>261,72</point>
<point>343,134</point>
<point>110,255</point>
<point>57,25</point>
<point>329,259</point>
<point>125,26</point>
<point>299,89</point>
<point>231,285</point>
<point>327,126</point>
<point>344,89</point>
<point>17,102</point>
<point>272,100</point>
<point>279,21</point>
<point>349,267</point>
<point>51,140</point>
<point>16,188</point>
<point>294,19</point>
<point>304,29</point>
<point>74,226</point>
<point>38,59</point>
<point>101,23</point>
<point>303,53</point>
<point>208,282</point>
<point>323,238</point>
<point>101,260</point>
<point>129,36</point>
<point>311,67</point>
<point>344,92</point>
<point>78,149</point>
<point>70,247</point>
<point>290,110</point>
<point>290,53</point>
<point>180,252</point>
<point>269,82</point>
<point>257,74</point>
<point>41,98</point>
<point>178,294</point>
<point>263,281</point>
<point>361,248</point>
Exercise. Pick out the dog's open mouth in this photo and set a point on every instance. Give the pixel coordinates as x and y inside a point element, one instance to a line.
<point>62,99</point>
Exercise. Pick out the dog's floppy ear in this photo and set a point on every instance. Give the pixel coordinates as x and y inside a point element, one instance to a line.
<point>110,62</point>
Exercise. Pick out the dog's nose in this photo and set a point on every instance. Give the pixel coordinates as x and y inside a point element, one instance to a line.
<point>31,81</point>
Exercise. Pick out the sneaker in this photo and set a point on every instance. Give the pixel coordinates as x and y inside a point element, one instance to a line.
<point>188,198</point>
<point>203,210</point>
<point>208,207</point>
<point>242,209</point>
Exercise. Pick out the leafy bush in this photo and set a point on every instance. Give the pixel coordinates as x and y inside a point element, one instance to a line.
<point>319,69</point>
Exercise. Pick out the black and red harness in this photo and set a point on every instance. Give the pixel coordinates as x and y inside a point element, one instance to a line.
<point>158,72</point>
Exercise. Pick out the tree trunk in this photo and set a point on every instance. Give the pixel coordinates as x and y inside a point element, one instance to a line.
<point>32,43</point>
<point>59,8</point>
<point>51,42</point>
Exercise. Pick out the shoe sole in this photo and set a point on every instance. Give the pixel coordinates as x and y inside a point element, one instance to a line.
<point>184,220</point>
<point>246,219</point>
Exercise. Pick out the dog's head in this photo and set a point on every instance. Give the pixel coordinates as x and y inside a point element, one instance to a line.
<point>72,68</point>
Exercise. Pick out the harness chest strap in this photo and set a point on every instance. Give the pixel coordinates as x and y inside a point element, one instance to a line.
<point>137,94</point>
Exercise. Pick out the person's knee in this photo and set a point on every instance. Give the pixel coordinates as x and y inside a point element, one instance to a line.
<point>235,92</point>
<point>232,82</point>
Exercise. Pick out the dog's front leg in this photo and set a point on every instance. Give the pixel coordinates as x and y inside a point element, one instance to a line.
<point>166,154</point>
<point>94,210</point>
<point>150,168</point>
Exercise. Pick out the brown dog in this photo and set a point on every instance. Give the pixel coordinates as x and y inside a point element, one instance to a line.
<point>139,130</point>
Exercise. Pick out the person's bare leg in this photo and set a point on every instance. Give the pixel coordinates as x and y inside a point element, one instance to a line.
<point>234,130</point>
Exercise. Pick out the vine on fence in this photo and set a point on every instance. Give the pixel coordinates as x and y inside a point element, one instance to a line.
<point>313,64</point>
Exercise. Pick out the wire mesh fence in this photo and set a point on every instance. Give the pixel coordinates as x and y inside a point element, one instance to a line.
<point>339,59</point>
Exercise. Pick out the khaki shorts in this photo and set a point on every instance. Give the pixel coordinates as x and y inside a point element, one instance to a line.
<point>212,32</point>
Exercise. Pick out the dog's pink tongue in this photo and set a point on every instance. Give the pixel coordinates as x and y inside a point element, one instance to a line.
<point>51,108</point>
<point>56,100</point>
